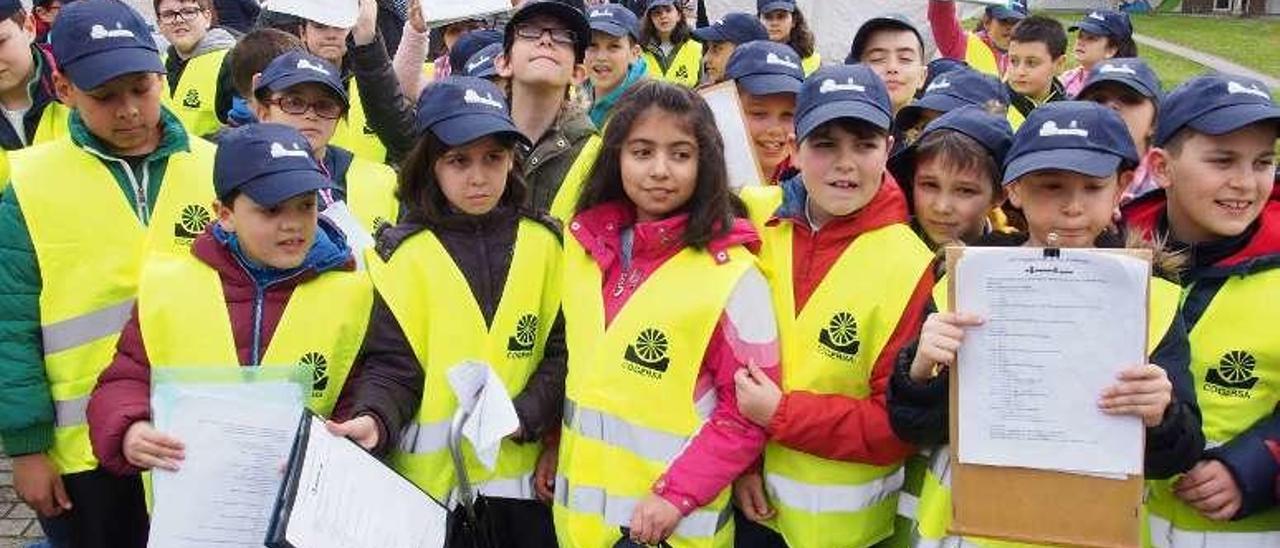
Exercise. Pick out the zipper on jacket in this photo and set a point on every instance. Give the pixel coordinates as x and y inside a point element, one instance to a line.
<point>139,190</point>
<point>259,297</point>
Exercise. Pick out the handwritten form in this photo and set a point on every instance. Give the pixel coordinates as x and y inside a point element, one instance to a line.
<point>1057,331</point>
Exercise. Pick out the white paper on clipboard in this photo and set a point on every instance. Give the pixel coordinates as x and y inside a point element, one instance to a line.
<point>739,153</point>
<point>442,12</point>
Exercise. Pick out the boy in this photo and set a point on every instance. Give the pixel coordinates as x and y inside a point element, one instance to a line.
<point>1129,87</point>
<point>131,181</point>
<point>769,76</point>
<point>199,79</point>
<point>1214,158</point>
<point>45,12</point>
<point>850,282</point>
<point>985,49</point>
<point>892,47</point>
<point>250,56</point>
<point>1037,53</point>
<point>31,110</point>
<point>721,37</point>
<point>613,58</point>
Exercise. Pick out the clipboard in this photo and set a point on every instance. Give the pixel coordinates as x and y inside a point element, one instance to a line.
<point>1043,506</point>
<point>739,152</point>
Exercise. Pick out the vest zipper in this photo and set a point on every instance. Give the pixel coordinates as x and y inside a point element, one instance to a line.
<point>258,296</point>
<point>139,190</point>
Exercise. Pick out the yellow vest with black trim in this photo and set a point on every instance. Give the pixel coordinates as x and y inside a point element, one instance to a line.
<point>927,501</point>
<point>194,99</point>
<point>980,56</point>
<point>685,67</point>
<point>811,63</point>
<point>629,409</point>
<point>371,193</point>
<point>354,132</point>
<point>433,303</point>
<point>52,126</point>
<point>831,347</point>
<point>575,179</point>
<point>1234,350</point>
<point>90,246</point>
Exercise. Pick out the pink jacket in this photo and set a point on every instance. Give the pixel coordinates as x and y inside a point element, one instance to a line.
<point>728,443</point>
<point>952,39</point>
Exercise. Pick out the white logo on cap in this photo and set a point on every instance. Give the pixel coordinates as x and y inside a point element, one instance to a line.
<point>473,97</point>
<point>99,32</point>
<point>774,59</point>
<point>471,67</point>
<point>1051,129</point>
<point>279,151</point>
<point>1123,69</point>
<point>940,83</point>
<point>1234,87</point>
<point>829,86</point>
<point>598,13</point>
<point>308,65</point>
<point>1098,16</point>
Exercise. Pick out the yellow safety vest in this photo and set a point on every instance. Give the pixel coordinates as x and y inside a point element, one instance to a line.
<point>371,193</point>
<point>831,347</point>
<point>811,63</point>
<point>194,99</point>
<point>53,125</point>
<point>90,246</point>
<point>980,56</point>
<point>1233,352</point>
<point>927,500</point>
<point>629,408</point>
<point>575,179</point>
<point>354,133</point>
<point>433,303</point>
<point>685,67</point>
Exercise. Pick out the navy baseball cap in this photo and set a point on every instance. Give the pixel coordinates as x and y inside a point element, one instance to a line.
<point>269,163</point>
<point>467,46</point>
<point>95,41</point>
<point>738,28</point>
<point>1115,24</point>
<point>842,91</point>
<point>1015,9</point>
<point>766,6</point>
<point>481,65</point>
<point>461,109</point>
<point>1076,136</point>
<point>764,67</point>
<point>895,21</point>
<point>570,12</point>
<point>989,130</point>
<point>9,7</point>
<point>1132,72</point>
<point>657,3</point>
<point>955,89</point>
<point>296,67</point>
<point>614,20</point>
<point>1214,104</point>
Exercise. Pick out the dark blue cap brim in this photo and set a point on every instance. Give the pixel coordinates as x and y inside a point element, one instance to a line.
<point>301,77</point>
<point>94,70</point>
<point>769,84</point>
<point>1003,13</point>
<point>1132,83</point>
<point>1228,119</point>
<point>1077,160</point>
<point>656,3</point>
<point>840,109</point>
<point>1090,27</point>
<point>274,188</point>
<point>489,71</point>
<point>910,115</point>
<point>610,28</point>
<point>710,34</point>
<point>774,6</point>
<point>465,128</point>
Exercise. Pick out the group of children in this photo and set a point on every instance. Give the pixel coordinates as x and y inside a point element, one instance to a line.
<point>689,366</point>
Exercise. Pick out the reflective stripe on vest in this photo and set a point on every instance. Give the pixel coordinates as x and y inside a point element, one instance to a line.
<point>434,305</point>
<point>182,313</point>
<point>980,56</point>
<point>371,193</point>
<point>811,63</point>
<point>194,99</point>
<point>631,410</point>
<point>567,197</point>
<point>354,132</point>
<point>685,67</point>
<point>1164,535</point>
<point>831,347</point>
<point>90,246</point>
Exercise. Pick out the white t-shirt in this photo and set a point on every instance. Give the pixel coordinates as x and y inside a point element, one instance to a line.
<point>15,121</point>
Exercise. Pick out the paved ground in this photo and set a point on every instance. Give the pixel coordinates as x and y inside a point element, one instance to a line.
<point>18,526</point>
<point>1211,61</point>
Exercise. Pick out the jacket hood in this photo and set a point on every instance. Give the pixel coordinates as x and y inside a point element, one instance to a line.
<point>219,250</point>
<point>1262,252</point>
<point>217,38</point>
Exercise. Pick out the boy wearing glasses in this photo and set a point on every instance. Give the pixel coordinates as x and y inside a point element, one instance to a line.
<point>199,80</point>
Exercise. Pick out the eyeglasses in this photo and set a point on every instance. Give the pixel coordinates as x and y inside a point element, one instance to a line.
<point>328,109</point>
<point>173,16</point>
<point>559,36</point>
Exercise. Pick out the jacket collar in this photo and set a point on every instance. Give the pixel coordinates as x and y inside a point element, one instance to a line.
<point>221,251</point>
<point>599,230</point>
<point>173,139</point>
<point>1260,252</point>
<point>887,207</point>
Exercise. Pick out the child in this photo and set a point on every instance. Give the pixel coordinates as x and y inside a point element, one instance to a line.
<point>1103,34</point>
<point>131,181</point>
<point>32,111</point>
<point>669,52</point>
<point>613,59</point>
<point>45,12</point>
<point>1131,88</point>
<point>768,75</point>
<point>458,293</point>
<point>957,88</point>
<point>1214,159</point>
<point>268,283</point>
<point>952,175</point>
<point>199,79</point>
<point>892,47</point>
<point>1037,53</point>
<point>412,68</point>
<point>303,91</point>
<point>786,24</point>
<point>842,261</point>
<point>247,59</point>
<point>719,40</point>
<point>985,49</point>
<point>663,305</point>
<point>1067,183</point>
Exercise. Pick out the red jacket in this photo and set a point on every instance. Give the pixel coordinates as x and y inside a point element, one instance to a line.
<point>834,426</point>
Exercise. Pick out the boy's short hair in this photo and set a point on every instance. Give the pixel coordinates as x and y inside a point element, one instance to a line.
<point>959,152</point>
<point>859,128</point>
<point>1046,30</point>
<point>254,52</point>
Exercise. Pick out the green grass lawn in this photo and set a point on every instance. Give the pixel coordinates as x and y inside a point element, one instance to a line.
<point>1254,43</point>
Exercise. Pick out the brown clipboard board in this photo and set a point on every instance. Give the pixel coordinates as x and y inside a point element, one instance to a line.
<point>1041,506</point>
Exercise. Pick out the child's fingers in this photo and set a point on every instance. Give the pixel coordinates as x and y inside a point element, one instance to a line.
<point>60,496</point>
<point>1201,492</point>
<point>1191,480</point>
<point>163,440</point>
<point>151,448</point>
<point>962,319</point>
<point>743,379</point>
<point>1142,372</point>
<point>1226,512</point>
<point>1213,503</point>
<point>760,504</point>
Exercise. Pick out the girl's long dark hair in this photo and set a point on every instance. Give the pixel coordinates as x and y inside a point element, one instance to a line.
<point>801,38</point>
<point>713,207</point>
<point>649,34</point>
<point>419,190</point>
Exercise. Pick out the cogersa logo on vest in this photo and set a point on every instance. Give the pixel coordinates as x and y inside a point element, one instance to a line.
<point>192,99</point>
<point>319,372</point>
<point>648,355</point>
<point>682,72</point>
<point>191,222</point>
<point>839,340</point>
<point>520,344</point>
<point>1233,377</point>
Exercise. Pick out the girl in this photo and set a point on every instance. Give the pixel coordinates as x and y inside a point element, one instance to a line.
<point>455,293</point>
<point>669,50</point>
<point>664,304</point>
<point>1103,34</point>
<point>768,76</point>
<point>1129,87</point>
<point>786,24</point>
